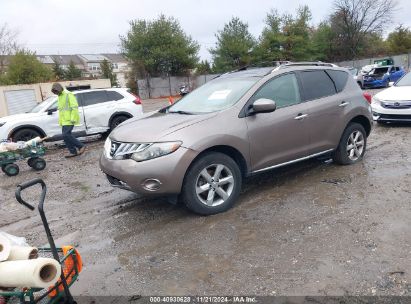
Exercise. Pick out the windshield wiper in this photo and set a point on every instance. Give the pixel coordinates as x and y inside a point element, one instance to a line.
<point>181,112</point>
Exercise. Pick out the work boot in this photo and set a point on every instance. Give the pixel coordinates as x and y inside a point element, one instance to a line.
<point>82,150</point>
<point>70,155</point>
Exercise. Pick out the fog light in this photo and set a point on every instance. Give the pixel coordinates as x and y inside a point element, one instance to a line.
<point>151,184</point>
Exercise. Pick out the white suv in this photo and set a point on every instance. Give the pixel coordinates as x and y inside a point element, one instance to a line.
<point>101,110</point>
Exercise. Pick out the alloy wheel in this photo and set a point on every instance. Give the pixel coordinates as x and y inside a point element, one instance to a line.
<point>355,145</point>
<point>214,185</point>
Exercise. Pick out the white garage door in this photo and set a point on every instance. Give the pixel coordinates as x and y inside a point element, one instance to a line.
<point>20,101</point>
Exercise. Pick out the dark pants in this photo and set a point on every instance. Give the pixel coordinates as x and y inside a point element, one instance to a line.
<point>71,142</point>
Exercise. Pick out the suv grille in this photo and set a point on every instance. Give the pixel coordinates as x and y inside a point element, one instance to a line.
<point>119,150</point>
<point>396,104</point>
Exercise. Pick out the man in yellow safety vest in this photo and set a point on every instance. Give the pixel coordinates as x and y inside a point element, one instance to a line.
<point>68,118</point>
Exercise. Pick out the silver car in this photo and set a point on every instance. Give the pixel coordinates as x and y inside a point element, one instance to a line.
<point>236,125</point>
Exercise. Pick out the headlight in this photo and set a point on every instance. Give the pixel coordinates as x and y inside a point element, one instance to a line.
<point>156,150</point>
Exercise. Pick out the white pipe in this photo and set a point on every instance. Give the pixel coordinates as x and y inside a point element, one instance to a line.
<point>37,273</point>
<point>22,253</point>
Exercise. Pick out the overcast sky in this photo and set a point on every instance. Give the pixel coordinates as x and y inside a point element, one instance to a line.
<point>94,26</point>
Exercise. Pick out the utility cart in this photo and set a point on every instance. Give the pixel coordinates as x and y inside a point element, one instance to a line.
<point>33,154</point>
<point>67,256</point>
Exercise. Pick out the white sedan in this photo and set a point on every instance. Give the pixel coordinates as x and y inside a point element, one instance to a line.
<point>394,103</point>
<point>101,110</point>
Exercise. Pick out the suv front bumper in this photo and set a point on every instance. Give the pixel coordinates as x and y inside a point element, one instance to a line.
<point>380,113</point>
<point>162,175</point>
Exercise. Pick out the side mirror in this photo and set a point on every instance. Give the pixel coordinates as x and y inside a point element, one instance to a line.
<point>391,83</point>
<point>263,105</point>
<point>51,111</point>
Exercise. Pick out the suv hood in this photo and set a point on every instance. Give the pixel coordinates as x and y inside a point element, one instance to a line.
<point>154,126</point>
<point>18,117</point>
<point>395,93</point>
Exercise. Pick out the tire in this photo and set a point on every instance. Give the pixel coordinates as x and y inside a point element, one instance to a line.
<point>11,169</point>
<point>3,168</point>
<point>202,174</point>
<point>25,134</point>
<point>30,161</point>
<point>117,120</point>
<point>38,164</point>
<point>352,145</point>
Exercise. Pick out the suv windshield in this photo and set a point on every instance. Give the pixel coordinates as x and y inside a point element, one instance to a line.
<point>216,95</point>
<point>42,106</point>
<point>404,81</point>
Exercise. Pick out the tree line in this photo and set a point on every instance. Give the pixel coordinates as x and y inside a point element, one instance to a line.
<point>353,30</point>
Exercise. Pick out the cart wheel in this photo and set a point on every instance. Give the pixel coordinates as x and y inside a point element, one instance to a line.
<point>11,169</point>
<point>38,164</point>
<point>3,168</point>
<point>30,161</point>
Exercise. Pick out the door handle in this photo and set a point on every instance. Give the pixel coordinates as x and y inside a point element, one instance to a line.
<point>344,104</point>
<point>300,116</point>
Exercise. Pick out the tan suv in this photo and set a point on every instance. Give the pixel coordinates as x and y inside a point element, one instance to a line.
<point>236,125</point>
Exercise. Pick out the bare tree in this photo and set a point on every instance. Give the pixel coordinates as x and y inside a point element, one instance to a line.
<point>8,44</point>
<point>358,18</point>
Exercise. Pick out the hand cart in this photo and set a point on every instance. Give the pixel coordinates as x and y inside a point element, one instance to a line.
<point>32,153</point>
<point>70,262</point>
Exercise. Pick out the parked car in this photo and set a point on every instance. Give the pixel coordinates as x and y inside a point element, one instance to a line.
<point>236,125</point>
<point>381,76</point>
<point>100,110</point>
<point>394,103</point>
<point>359,78</point>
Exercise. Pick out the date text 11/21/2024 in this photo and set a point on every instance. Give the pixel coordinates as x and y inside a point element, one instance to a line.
<point>203,299</point>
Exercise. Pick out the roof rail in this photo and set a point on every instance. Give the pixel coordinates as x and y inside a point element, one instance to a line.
<point>305,63</point>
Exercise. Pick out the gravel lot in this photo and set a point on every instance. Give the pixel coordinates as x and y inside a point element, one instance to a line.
<point>314,228</point>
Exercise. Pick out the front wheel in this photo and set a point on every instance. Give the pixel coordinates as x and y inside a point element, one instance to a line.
<point>25,135</point>
<point>38,164</point>
<point>212,184</point>
<point>352,145</point>
<point>117,120</point>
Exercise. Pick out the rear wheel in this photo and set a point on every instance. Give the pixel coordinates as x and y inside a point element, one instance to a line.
<point>212,184</point>
<point>117,120</point>
<point>11,169</point>
<point>25,134</point>
<point>38,164</point>
<point>352,145</point>
<point>30,161</point>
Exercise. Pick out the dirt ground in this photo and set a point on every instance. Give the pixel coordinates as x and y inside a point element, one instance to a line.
<point>314,228</point>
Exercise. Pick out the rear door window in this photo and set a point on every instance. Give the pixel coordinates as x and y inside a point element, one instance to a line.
<point>91,98</point>
<point>339,78</point>
<point>113,95</point>
<point>317,84</point>
<point>284,90</point>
